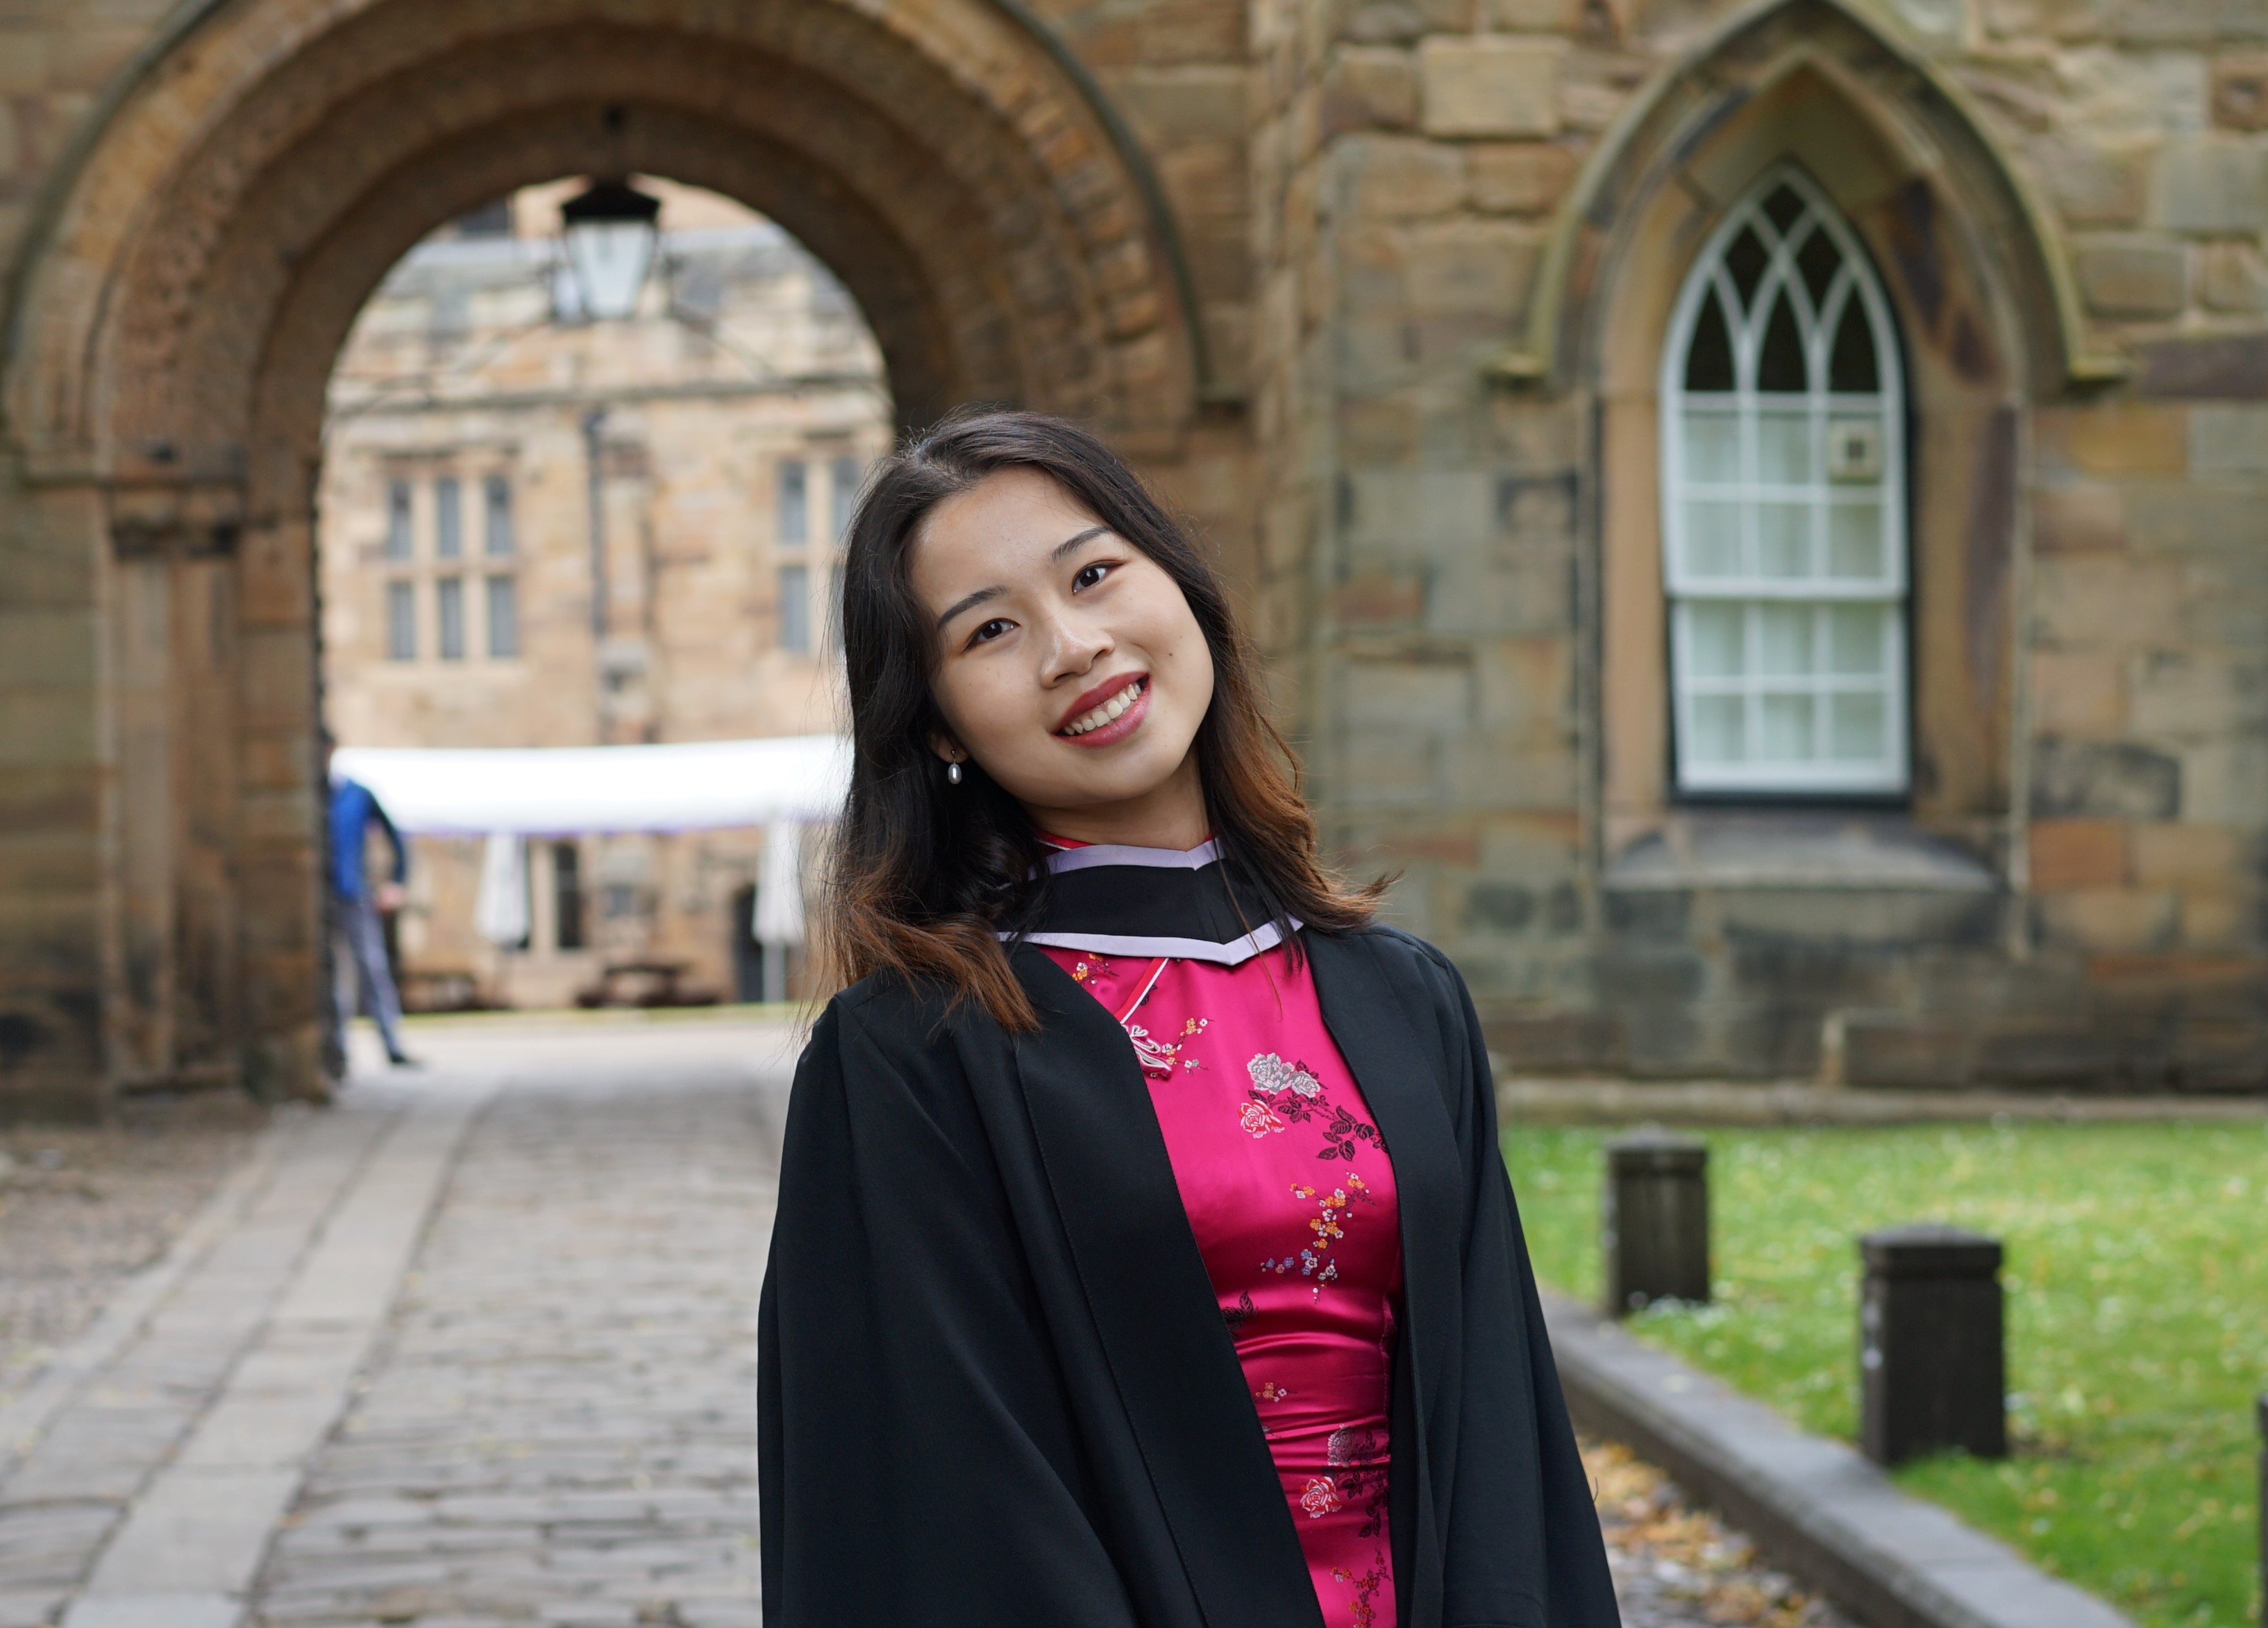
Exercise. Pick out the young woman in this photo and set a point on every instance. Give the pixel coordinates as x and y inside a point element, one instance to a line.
<point>1144,1255</point>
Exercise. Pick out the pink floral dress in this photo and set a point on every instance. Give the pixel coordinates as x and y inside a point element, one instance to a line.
<point>1291,1193</point>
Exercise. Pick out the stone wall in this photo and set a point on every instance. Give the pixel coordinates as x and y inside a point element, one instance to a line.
<point>2072,897</point>
<point>1374,289</point>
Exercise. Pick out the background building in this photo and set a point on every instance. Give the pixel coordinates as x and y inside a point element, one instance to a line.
<point>540,530</point>
<point>1754,506</point>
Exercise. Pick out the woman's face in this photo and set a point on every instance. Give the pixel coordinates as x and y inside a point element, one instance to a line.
<point>1069,666</point>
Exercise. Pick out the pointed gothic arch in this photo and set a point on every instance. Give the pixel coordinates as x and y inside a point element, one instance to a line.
<point>1954,177</point>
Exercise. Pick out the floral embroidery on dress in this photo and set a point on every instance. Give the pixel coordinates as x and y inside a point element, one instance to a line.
<point>1237,1315</point>
<point>1260,1119</point>
<point>1097,968</point>
<point>1365,1590</point>
<point>1271,1073</point>
<point>1321,1499</point>
<point>1271,1391</point>
<point>1158,1056</point>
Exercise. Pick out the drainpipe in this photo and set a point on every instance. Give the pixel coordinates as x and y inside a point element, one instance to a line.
<point>594,425</point>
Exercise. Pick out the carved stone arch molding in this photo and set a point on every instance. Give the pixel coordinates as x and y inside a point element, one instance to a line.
<point>1981,304</point>
<point>191,274</point>
<point>1959,194</point>
<point>204,257</point>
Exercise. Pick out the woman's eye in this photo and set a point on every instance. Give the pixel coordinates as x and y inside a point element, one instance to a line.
<point>991,630</point>
<point>1089,575</point>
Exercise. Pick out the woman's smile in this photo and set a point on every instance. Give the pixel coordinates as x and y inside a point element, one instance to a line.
<point>1108,713</point>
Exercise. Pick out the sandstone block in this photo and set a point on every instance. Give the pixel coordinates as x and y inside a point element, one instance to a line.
<point>49,728</point>
<point>2232,278</point>
<point>2211,185</point>
<point>2135,278</point>
<point>2224,781</point>
<point>2240,91</point>
<point>1549,17</point>
<point>2109,779</point>
<point>1423,696</point>
<point>1468,268</point>
<point>2227,367</point>
<point>1401,177</point>
<point>2229,440</point>
<point>2185,854</point>
<point>1524,687</point>
<point>2077,853</point>
<point>2093,186</point>
<point>1385,22</point>
<point>2115,438</point>
<point>1370,87</point>
<point>1492,86</point>
<point>1519,178</point>
<point>2110,918</point>
<point>2106,600</point>
<point>2077,693</point>
<point>1174,105</point>
<point>2079,519</point>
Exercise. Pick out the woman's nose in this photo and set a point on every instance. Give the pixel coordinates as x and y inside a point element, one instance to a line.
<point>1076,646</point>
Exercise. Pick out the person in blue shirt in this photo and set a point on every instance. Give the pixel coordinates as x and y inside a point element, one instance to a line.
<point>358,904</point>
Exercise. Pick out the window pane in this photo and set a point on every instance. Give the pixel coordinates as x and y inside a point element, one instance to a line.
<point>1712,539</point>
<point>400,621</point>
<point>1784,634</point>
<point>503,617</point>
<point>1859,732</point>
<point>1787,728</point>
<point>1818,260</point>
<point>1715,637</point>
<point>1783,208</point>
<point>1713,446</point>
<point>846,495</point>
<point>449,614</point>
<point>795,608</point>
<point>567,896</point>
<point>1780,366</point>
<point>1783,449</point>
<point>448,519</point>
<point>1850,365</point>
<point>1854,640</point>
<point>794,503</point>
<point>397,535</point>
<point>1745,261</point>
<point>1719,733</point>
<point>1783,540</point>
<point>1854,539</point>
<point>1709,358</point>
<point>497,502</point>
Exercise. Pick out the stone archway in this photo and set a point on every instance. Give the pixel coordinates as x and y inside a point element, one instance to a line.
<point>194,275</point>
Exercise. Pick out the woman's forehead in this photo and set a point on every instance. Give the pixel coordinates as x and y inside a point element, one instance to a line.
<point>1006,525</point>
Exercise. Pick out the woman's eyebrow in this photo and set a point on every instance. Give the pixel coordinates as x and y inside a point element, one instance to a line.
<point>1074,540</point>
<point>969,603</point>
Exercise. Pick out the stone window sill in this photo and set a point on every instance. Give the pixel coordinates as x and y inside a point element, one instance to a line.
<point>1817,852</point>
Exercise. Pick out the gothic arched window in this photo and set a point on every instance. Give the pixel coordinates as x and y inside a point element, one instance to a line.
<point>1783,523</point>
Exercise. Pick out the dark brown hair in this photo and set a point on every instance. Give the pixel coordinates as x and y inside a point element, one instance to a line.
<point>926,875</point>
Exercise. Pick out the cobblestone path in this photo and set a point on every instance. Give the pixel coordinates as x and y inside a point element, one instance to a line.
<point>476,1348</point>
<point>559,1424</point>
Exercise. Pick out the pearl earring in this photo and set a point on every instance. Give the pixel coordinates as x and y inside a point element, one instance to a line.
<point>952,771</point>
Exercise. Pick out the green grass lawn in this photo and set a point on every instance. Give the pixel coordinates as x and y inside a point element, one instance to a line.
<point>2137,1321</point>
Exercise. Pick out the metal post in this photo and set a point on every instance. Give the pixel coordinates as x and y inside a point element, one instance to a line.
<point>1654,1223</point>
<point>1932,1364</point>
<point>2260,1415</point>
<point>595,471</point>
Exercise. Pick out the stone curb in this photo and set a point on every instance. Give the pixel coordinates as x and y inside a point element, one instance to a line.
<point>1722,1103</point>
<point>1815,1508</point>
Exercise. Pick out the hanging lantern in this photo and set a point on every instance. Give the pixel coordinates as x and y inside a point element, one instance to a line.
<point>610,232</point>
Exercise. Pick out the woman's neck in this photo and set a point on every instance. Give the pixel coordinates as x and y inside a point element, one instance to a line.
<point>1170,815</point>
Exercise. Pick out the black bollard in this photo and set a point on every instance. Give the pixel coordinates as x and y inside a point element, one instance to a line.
<point>1654,1223</point>
<point>1933,1365</point>
<point>2260,1412</point>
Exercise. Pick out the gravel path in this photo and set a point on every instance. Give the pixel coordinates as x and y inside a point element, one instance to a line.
<point>81,1207</point>
<point>1677,1566</point>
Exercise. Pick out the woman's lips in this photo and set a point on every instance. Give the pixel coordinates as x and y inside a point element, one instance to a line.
<point>1110,731</point>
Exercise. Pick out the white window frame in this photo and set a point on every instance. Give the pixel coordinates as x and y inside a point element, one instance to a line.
<point>1891,773</point>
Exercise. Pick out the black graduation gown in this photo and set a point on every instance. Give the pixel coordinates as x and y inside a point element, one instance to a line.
<point>995,1385</point>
